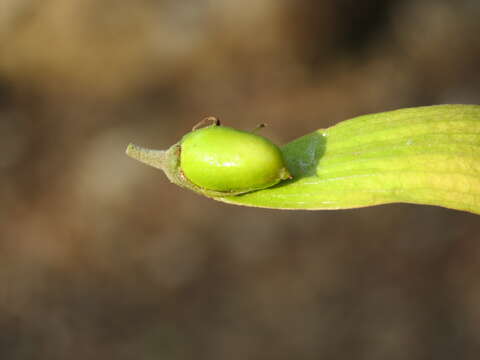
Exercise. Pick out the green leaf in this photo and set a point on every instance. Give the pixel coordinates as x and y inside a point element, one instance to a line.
<point>425,155</point>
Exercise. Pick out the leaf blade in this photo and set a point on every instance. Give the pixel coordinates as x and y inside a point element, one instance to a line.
<point>426,155</point>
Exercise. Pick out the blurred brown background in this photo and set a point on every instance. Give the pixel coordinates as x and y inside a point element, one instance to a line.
<point>102,258</point>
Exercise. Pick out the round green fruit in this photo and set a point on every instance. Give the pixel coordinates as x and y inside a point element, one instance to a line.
<point>225,160</point>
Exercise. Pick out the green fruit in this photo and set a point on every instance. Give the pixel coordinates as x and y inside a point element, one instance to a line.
<point>218,161</point>
<point>226,160</point>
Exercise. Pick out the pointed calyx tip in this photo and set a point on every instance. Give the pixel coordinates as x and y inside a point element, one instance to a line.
<point>155,158</point>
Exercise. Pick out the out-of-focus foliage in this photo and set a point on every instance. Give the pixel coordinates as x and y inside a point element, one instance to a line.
<point>102,258</point>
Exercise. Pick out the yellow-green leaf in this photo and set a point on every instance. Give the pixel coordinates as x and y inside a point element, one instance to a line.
<point>425,155</point>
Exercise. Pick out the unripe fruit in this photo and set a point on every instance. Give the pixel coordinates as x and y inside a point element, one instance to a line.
<point>218,161</point>
<point>227,160</point>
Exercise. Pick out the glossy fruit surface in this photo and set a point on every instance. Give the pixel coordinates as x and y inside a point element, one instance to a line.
<point>227,160</point>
